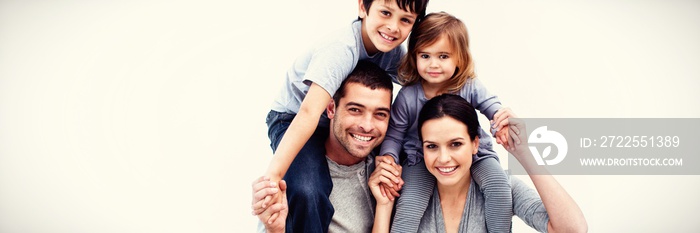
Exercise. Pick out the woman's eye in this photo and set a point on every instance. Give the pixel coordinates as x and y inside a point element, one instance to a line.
<point>456,144</point>
<point>430,146</point>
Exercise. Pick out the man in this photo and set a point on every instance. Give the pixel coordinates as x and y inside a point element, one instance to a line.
<point>359,117</point>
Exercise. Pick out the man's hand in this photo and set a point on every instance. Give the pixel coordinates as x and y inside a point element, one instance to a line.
<point>390,188</point>
<point>265,193</point>
<point>275,216</point>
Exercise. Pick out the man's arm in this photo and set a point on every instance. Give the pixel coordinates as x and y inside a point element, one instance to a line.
<point>274,217</point>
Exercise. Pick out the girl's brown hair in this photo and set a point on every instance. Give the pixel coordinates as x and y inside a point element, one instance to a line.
<point>429,31</point>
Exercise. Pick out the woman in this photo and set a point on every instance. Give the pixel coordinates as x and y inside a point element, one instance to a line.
<point>448,127</point>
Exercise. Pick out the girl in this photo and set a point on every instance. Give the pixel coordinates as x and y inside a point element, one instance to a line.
<point>449,131</point>
<point>439,62</point>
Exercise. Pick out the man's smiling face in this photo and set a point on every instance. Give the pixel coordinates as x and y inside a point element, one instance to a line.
<point>359,122</point>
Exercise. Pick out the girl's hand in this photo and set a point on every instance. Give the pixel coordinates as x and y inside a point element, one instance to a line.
<point>384,174</point>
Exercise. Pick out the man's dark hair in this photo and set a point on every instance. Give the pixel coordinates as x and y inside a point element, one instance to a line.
<point>369,75</point>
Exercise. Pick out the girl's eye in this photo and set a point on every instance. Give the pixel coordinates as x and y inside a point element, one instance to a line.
<point>443,56</point>
<point>424,56</point>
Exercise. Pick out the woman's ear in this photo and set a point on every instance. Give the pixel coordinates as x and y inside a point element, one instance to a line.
<point>475,145</point>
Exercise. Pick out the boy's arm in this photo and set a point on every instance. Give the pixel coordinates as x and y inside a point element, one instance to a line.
<point>300,130</point>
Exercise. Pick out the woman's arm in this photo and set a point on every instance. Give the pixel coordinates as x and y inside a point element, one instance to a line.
<point>384,173</point>
<point>564,214</point>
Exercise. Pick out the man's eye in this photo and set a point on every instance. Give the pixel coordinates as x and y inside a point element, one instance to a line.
<point>354,110</point>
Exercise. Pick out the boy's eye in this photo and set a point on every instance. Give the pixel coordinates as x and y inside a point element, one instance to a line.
<point>407,21</point>
<point>386,13</point>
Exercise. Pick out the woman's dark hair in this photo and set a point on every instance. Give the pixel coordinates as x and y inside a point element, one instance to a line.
<point>452,106</point>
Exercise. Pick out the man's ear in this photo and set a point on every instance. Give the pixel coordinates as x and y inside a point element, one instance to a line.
<point>330,109</point>
<point>362,11</point>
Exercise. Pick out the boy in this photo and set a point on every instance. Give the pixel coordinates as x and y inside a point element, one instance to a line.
<point>296,124</point>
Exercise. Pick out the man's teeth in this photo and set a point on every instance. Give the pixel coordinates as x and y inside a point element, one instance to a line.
<point>386,37</point>
<point>361,138</point>
<point>447,169</point>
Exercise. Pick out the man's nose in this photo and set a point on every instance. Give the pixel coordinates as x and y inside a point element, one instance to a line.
<point>365,123</point>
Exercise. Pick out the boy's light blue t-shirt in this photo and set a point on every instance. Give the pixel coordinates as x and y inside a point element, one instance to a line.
<point>328,63</point>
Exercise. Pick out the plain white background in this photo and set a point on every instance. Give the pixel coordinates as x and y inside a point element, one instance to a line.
<point>148,116</point>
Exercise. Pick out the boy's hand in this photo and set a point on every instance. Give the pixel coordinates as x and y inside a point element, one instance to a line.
<point>384,176</point>
<point>395,183</point>
<point>275,216</point>
<point>265,193</point>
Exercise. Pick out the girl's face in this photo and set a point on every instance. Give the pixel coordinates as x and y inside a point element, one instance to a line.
<point>448,150</point>
<point>436,62</point>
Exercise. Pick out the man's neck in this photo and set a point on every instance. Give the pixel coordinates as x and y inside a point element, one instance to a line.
<point>339,155</point>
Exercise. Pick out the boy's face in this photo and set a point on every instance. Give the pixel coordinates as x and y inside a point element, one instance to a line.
<point>385,26</point>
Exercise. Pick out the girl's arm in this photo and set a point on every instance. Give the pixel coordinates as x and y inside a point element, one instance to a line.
<point>300,130</point>
<point>564,214</point>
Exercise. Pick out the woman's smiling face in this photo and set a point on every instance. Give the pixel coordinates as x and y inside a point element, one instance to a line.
<point>448,150</point>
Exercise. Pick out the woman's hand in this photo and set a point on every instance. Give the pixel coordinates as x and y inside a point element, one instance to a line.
<point>500,124</point>
<point>388,174</point>
<point>385,188</point>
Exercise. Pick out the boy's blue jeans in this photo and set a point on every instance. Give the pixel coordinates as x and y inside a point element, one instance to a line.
<point>308,179</point>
